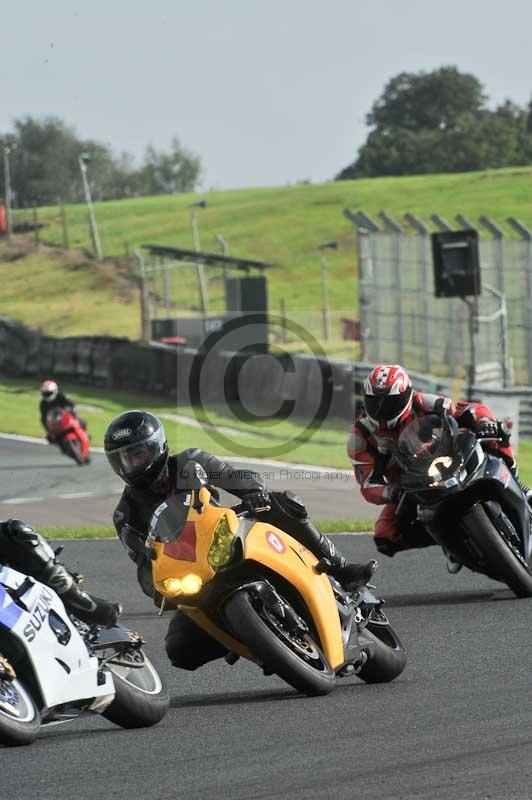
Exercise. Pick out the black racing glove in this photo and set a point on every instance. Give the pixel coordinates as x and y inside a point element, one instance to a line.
<point>505,431</point>
<point>255,502</point>
<point>487,429</point>
<point>391,493</point>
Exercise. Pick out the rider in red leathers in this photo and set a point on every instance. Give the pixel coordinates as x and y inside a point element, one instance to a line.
<point>53,397</point>
<point>390,402</point>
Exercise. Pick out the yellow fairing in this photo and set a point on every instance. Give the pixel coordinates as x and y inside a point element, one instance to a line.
<point>164,567</point>
<point>269,546</point>
<point>314,589</point>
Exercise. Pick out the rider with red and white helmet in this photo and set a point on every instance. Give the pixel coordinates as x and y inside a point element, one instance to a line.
<point>390,401</point>
<point>52,397</point>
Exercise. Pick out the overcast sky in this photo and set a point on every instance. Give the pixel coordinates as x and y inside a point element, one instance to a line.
<point>267,93</point>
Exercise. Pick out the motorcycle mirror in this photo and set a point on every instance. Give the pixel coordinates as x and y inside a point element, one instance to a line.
<point>192,477</point>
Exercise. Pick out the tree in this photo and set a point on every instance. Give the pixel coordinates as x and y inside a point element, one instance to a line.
<point>169,172</point>
<point>426,101</point>
<point>43,161</point>
<point>439,122</point>
<point>45,167</point>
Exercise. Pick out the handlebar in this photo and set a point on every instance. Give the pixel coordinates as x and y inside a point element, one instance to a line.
<point>241,510</point>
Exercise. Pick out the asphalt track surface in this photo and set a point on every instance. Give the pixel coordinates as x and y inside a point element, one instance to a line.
<point>457,724</point>
<point>38,483</point>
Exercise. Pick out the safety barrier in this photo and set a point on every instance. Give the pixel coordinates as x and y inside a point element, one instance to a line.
<point>231,378</point>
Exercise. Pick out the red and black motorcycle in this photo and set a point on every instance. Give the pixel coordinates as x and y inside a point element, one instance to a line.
<point>66,430</point>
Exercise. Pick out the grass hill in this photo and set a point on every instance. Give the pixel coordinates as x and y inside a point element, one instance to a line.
<point>67,292</point>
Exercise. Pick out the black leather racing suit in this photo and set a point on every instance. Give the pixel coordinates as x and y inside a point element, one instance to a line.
<point>187,645</point>
<point>25,550</point>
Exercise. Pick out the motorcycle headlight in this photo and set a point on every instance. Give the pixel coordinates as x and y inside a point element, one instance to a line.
<point>434,469</point>
<point>221,550</point>
<point>190,584</point>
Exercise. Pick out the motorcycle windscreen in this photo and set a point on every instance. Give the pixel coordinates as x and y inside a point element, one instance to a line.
<point>169,518</point>
<point>427,448</point>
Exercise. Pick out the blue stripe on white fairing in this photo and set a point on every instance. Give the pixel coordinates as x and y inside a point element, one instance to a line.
<point>9,611</point>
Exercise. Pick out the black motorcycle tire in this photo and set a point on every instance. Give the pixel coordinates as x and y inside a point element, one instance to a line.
<point>73,449</point>
<point>133,706</point>
<point>248,627</point>
<point>15,732</point>
<point>503,562</point>
<point>388,654</point>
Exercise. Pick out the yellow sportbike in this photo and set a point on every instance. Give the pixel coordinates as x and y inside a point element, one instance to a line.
<point>260,593</point>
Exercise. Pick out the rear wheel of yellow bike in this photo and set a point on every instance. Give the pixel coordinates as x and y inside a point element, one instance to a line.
<point>293,655</point>
<point>387,654</point>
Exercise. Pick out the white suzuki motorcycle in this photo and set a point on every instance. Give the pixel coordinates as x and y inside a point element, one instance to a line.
<point>53,667</point>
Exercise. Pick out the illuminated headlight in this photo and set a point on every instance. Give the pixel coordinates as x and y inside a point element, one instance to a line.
<point>190,584</point>
<point>434,469</point>
<point>221,550</point>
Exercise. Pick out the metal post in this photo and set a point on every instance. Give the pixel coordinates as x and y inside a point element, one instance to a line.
<point>440,223</point>
<point>7,191</point>
<point>365,275</point>
<point>199,266</point>
<point>63,224</point>
<point>464,222</point>
<point>166,287</point>
<point>526,235</point>
<point>367,231</point>
<point>472,305</point>
<point>425,263</point>
<point>498,235</point>
<point>225,252</point>
<point>324,298</point>
<point>398,234</point>
<point>329,245</point>
<point>35,226</point>
<point>284,337</point>
<point>88,199</point>
<point>145,324</point>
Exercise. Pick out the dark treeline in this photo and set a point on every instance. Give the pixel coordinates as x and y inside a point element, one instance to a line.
<point>439,122</point>
<point>43,159</point>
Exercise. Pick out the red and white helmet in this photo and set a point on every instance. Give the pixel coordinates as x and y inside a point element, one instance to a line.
<point>49,390</point>
<point>388,395</point>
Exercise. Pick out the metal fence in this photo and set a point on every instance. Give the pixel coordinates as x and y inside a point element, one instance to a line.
<point>402,321</point>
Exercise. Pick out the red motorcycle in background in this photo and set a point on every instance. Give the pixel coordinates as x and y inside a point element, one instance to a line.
<point>65,430</point>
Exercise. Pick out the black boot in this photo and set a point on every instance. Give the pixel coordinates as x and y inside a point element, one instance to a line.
<point>30,553</point>
<point>350,575</point>
<point>87,607</point>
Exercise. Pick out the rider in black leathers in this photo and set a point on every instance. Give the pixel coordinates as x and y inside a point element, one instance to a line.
<point>25,550</point>
<point>137,450</point>
<point>52,397</point>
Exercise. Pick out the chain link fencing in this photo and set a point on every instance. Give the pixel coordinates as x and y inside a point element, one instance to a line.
<point>402,321</point>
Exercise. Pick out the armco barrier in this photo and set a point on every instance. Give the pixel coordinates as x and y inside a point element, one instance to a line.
<point>16,342</point>
<point>66,359</point>
<point>264,380</point>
